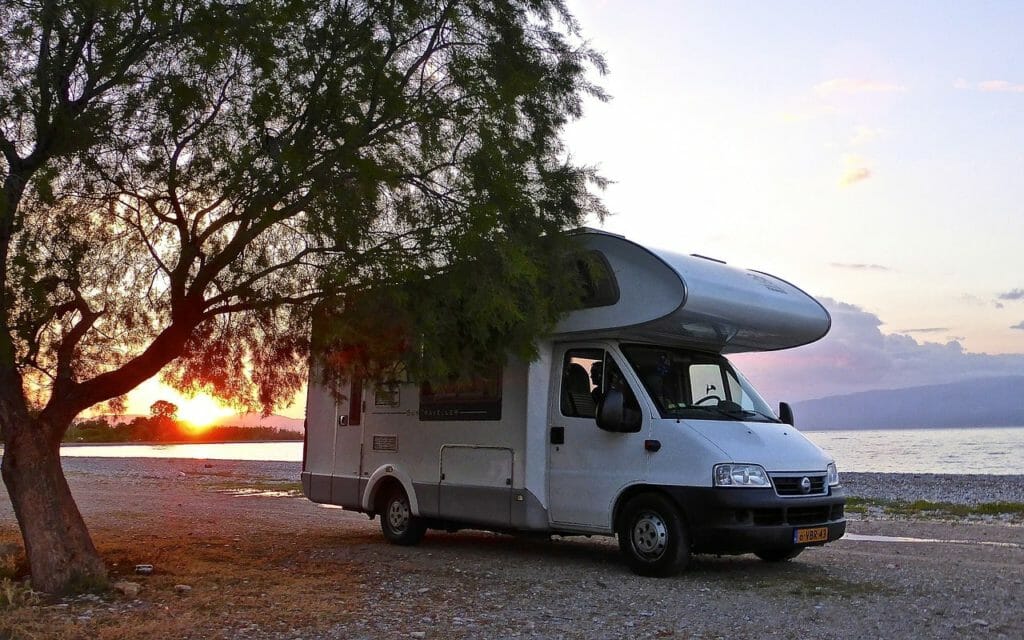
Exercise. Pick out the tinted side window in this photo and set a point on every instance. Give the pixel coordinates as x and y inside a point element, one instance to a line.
<point>473,399</point>
<point>599,286</point>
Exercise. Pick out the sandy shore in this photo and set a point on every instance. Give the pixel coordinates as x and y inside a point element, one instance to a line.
<point>282,568</point>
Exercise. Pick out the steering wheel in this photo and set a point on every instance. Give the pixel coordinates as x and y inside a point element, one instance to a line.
<point>705,399</point>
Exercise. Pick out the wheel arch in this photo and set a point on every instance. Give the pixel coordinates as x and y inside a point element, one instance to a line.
<point>632,491</point>
<point>385,477</point>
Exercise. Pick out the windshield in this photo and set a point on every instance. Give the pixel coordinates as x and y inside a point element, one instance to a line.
<point>695,385</point>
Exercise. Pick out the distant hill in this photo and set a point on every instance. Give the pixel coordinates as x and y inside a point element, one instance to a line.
<point>982,402</point>
<point>257,420</point>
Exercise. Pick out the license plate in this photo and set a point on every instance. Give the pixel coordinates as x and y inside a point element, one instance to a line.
<point>805,536</point>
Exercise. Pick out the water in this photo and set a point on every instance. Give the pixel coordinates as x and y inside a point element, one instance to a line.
<point>286,451</point>
<point>998,450</point>
<point>995,450</point>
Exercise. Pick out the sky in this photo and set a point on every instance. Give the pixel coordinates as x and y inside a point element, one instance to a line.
<point>872,153</point>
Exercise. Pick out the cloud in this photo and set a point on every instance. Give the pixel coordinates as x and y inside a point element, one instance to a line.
<point>853,175</point>
<point>863,135</point>
<point>858,266</point>
<point>989,86</point>
<point>1013,294</point>
<point>1019,325</point>
<point>853,86</point>
<point>925,330</point>
<point>977,301</point>
<point>855,169</point>
<point>1001,86</point>
<point>857,356</point>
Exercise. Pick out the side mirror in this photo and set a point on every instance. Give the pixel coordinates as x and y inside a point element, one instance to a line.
<point>614,416</point>
<point>786,413</point>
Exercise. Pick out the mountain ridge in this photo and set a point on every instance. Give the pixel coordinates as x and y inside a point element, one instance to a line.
<point>977,402</point>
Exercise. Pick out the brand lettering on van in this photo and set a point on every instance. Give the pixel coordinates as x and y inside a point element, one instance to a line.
<point>768,283</point>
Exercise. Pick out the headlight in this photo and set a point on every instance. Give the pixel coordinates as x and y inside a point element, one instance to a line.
<point>740,475</point>
<point>833,474</point>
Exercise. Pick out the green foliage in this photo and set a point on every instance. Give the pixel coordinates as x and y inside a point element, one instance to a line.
<point>927,508</point>
<point>182,179</point>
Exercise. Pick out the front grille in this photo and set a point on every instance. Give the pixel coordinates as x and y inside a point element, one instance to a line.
<point>793,515</point>
<point>792,485</point>
<point>808,515</point>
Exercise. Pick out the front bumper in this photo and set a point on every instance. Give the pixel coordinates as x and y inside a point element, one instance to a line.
<point>731,521</point>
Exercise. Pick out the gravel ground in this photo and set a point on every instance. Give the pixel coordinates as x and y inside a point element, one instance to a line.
<point>935,487</point>
<point>950,580</point>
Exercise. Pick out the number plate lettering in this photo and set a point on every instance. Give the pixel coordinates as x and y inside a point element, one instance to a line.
<point>805,536</point>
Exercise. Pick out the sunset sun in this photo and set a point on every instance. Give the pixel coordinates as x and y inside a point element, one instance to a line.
<point>201,411</point>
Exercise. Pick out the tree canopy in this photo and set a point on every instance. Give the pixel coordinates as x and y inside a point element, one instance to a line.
<point>181,179</point>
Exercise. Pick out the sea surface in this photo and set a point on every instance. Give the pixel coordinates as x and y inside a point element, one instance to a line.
<point>989,450</point>
<point>995,450</point>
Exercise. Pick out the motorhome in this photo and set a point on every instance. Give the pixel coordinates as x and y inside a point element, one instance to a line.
<point>630,422</point>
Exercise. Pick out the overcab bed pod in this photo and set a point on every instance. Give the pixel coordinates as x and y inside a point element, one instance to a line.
<point>653,295</point>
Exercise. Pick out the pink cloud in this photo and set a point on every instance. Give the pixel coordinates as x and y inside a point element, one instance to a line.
<point>857,356</point>
<point>1000,86</point>
<point>990,86</point>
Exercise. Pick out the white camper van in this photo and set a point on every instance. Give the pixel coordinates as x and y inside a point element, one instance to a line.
<point>629,423</point>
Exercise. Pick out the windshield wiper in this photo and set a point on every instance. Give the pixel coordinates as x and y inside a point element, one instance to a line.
<point>755,412</point>
<point>722,412</point>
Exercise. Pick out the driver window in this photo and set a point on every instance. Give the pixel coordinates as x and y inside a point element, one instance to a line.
<point>587,374</point>
<point>706,382</point>
<point>580,390</point>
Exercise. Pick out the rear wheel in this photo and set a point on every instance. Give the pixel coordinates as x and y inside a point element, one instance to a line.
<point>779,555</point>
<point>653,537</point>
<point>396,519</point>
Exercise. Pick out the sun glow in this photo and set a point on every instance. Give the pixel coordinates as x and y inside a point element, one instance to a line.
<point>201,411</point>
<point>197,413</point>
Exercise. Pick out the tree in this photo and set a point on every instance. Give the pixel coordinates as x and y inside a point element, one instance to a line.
<point>181,179</point>
<point>163,410</point>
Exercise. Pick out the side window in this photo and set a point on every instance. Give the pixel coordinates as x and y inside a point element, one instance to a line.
<point>706,382</point>
<point>355,402</point>
<point>586,375</point>
<point>581,378</point>
<point>599,286</point>
<point>472,399</point>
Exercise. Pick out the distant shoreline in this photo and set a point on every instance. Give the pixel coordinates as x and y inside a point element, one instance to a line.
<point>987,426</point>
<point>159,443</point>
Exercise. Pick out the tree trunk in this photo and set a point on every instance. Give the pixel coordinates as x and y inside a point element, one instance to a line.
<point>61,555</point>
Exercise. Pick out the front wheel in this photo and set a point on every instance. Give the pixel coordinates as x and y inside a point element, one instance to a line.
<point>779,555</point>
<point>396,519</point>
<point>653,537</point>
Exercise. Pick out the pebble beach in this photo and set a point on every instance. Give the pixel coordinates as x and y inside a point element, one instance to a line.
<point>269,565</point>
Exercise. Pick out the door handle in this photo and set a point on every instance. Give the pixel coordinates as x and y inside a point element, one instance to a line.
<point>557,435</point>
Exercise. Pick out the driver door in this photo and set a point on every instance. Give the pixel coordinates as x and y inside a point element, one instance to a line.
<point>588,467</point>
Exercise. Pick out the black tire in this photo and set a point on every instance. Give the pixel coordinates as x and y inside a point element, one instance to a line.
<point>779,555</point>
<point>653,537</point>
<point>396,519</point>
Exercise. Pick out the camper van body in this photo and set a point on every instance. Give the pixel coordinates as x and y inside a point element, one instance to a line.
<point>689,458</point>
